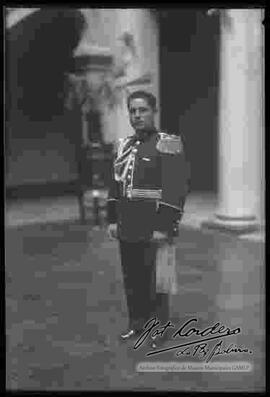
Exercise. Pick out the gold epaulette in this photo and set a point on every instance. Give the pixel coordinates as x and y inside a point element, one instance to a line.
<point>169,143</point>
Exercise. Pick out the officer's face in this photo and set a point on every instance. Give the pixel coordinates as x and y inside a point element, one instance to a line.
<point>141,114</point>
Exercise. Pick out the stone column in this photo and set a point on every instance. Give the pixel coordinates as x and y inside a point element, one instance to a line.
<point>262,141</point>
<point>240,121</point>
<point>132,36</point>
<point>136,35</point>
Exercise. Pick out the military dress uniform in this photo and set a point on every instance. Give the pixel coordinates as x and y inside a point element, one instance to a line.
<point>147,193</point>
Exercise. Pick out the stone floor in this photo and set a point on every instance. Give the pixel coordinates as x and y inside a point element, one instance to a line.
<point>198,208</point>
<point>65,305</point>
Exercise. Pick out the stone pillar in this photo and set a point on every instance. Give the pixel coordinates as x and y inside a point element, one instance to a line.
<point>132,36</point>
<point>240,121</point>
<point>136,35</point>
<point>262,141</point>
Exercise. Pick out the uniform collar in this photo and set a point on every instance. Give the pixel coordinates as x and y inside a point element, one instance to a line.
<point>144,135</point>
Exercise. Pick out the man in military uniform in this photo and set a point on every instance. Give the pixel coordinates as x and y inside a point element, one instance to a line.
<point>145,204</point>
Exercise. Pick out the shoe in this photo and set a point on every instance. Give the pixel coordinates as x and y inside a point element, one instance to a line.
<point>128,334</point>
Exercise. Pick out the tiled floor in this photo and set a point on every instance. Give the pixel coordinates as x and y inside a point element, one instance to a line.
<point>65,308</point>
<point>65,303</point>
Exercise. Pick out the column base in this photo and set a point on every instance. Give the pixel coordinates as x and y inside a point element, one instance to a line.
<point>232,225</point>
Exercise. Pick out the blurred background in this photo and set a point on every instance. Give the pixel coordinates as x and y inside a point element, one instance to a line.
<point>68,72</point>
<point>45,141</point>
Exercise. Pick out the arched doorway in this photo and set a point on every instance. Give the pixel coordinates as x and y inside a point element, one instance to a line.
<point>41,136</point>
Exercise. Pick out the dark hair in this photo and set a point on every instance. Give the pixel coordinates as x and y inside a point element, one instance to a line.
<point>150,98</point>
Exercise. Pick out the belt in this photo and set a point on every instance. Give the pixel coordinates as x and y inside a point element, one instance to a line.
<point>144,193</point>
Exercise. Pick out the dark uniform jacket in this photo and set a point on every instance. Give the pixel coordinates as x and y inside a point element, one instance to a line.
<point>149,186</point>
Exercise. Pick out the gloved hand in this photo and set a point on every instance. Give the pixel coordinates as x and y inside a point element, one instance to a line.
<point>159,236</point>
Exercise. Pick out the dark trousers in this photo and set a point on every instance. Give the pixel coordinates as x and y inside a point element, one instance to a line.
<point>139,274</point>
